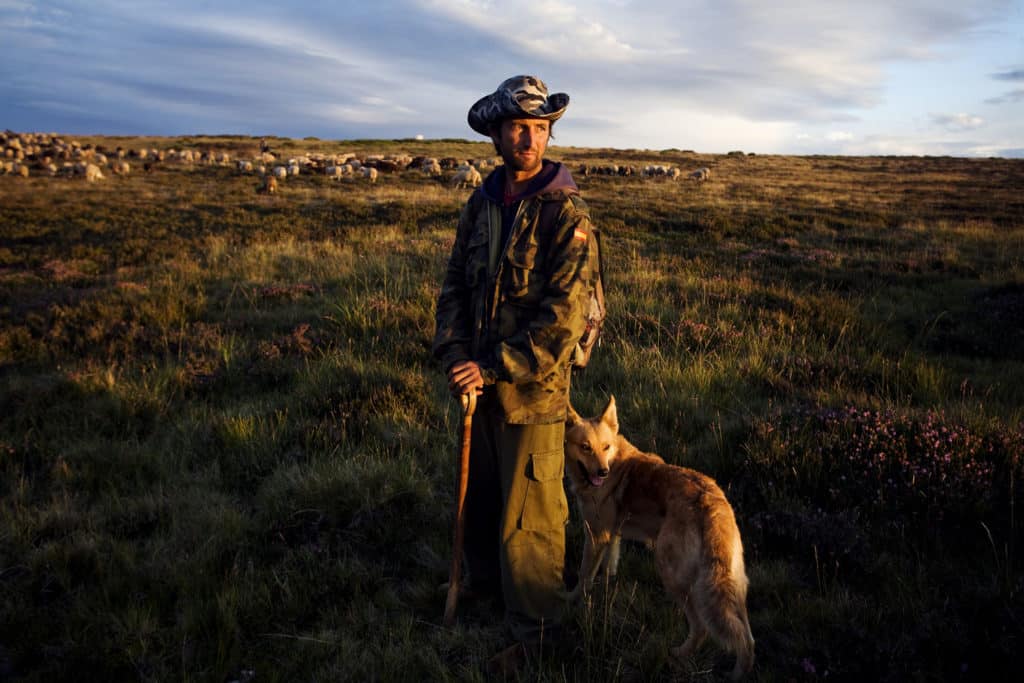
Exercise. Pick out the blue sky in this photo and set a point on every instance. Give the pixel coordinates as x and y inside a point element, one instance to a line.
<point>787,77</point>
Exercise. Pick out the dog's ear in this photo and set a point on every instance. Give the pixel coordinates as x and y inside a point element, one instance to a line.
<point>610,416</point>
<point>572,417</point>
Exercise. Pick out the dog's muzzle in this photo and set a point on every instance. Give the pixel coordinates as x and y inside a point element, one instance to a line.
<point>594,479</point>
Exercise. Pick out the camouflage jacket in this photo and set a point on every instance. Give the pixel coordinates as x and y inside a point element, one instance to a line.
<point>521,320</point>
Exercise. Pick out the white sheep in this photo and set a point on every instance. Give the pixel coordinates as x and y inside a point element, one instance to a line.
<point>431,167</point>
<point>121,167</point>
<point>92,173</point>
<point>701,174</point>
<point>279,172</point>
<point>370,173</point>
<point>466,176</point>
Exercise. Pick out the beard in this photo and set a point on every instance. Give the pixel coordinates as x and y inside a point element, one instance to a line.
<point>521,164</point>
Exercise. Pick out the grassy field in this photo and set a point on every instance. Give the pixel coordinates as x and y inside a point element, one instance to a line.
<point>226,454</point>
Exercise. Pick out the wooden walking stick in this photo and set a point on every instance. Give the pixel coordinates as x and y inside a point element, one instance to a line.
<point>454,573</point>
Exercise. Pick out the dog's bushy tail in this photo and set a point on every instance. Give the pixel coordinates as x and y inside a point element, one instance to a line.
<point>725,610</point>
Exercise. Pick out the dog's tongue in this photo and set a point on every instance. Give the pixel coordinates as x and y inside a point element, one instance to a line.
<point>596,480</point>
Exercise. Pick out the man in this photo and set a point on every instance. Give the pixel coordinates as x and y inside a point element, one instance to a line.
<point>511,310</point>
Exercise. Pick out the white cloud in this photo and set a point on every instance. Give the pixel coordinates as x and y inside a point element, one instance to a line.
<point>1011,75</point>
<point>653,125</point>
<point>548,29</point>
<point>839,136</point>
<point>957,122</point>
<point>1010,97</point>
<point>373,110</point>
<point>904,145</point>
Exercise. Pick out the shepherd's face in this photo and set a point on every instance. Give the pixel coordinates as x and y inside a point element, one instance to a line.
<point>522,143</point>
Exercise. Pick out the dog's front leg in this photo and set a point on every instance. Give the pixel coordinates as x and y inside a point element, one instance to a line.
<point>594,552</point>
<point>611,565</point>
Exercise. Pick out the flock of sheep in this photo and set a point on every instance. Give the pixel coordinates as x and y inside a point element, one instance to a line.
<point>649,171</point>
<point>340,166</point>
<point>26,154</point>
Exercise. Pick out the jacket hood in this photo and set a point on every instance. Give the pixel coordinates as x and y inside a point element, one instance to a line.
<point>553,176</point>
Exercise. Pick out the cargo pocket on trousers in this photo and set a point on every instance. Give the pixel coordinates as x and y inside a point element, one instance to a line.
<point>545,506</point>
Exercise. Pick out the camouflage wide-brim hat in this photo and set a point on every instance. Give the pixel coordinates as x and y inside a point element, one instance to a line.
<point>519,97</point>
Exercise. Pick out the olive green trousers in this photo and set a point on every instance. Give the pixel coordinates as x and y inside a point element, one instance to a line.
<point>516,514</point>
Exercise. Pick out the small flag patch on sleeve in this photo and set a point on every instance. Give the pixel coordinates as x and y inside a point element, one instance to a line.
<point>579,235</point>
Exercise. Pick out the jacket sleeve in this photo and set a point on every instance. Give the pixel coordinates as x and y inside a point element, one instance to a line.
<point>453,318</point>
<point>545,346</point>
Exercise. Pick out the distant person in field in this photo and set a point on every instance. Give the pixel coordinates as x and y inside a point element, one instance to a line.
<point>509,316</point>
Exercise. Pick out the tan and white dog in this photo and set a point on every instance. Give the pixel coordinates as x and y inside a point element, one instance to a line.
<point>680,513</point>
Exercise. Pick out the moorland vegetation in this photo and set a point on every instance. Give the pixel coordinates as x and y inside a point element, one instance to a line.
<point>226,454</point>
